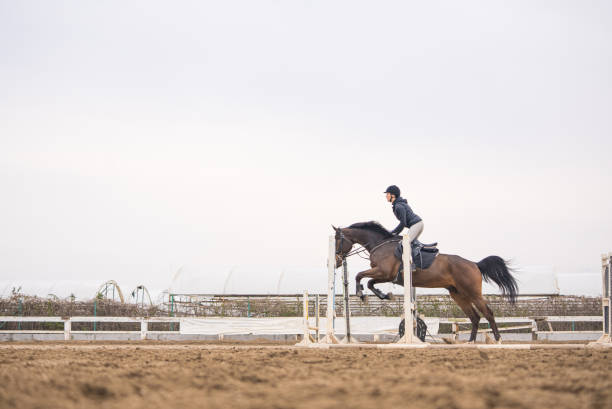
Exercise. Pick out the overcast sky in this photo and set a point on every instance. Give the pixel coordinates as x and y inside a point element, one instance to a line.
<point>138,137</point>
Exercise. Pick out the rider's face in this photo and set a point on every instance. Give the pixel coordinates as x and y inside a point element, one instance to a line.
<point>388,197</point>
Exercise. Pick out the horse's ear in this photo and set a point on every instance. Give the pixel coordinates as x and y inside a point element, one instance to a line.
<point>334,227</point>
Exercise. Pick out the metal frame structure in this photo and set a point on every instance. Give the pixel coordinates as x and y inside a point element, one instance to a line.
<point>106,288</point>
<point>139,293</point>
<point>410,313</point>
<point>606,299</point>
<point>330,335</point>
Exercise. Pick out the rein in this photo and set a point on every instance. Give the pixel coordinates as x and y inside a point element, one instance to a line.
<point>357,251</point>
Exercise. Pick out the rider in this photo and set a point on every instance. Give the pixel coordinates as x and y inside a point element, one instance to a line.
<point>405,215</point>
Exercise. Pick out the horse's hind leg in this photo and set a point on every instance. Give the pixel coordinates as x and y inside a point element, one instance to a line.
<point>376,291</point>
<point>466,306</point>
<point>484,309</point>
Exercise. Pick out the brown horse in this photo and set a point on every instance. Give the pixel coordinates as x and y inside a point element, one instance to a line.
<point>462,278</point>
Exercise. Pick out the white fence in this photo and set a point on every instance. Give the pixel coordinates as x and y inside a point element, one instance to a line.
<point>67,331</point>
<point>290,328</point>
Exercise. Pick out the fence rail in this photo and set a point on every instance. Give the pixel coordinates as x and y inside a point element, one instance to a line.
<point>68,321</point>
<point>452,326</point>
<point>290,305</point>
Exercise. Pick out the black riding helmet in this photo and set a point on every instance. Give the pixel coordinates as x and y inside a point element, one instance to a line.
<point>394,190</point>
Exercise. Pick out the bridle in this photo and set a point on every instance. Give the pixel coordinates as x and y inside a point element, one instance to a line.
<point>360,250</point>
<point>339,246</point>
<point>357,251</point>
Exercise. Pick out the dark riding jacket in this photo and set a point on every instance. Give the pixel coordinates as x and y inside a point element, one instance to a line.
<point>404,214</point>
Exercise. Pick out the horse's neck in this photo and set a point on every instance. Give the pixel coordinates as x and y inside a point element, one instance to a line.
<point>366,238</point>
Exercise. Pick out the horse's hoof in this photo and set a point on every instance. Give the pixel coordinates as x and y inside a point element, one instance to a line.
<point>498,342</point>
<point>471,342</point>
<point>390,297</point>
<point>363,298</point>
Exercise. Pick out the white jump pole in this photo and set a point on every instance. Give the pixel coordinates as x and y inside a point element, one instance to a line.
<point>307,339</point>
<point>409,296</point>
<point>348,339</point>
<point>330,336</point>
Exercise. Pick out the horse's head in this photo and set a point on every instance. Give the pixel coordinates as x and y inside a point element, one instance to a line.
<point>343,245</point>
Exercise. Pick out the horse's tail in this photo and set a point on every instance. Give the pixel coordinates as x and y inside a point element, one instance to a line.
<point>494,268</point>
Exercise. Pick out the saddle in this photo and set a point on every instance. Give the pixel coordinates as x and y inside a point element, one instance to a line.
<point>425,247</point>
<point>423,256</point>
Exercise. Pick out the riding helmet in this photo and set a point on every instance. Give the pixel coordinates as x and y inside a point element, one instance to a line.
<point>394,190</point>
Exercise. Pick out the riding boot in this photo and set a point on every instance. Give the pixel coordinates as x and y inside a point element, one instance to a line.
<point>399,278</point>
<point>415,247</point>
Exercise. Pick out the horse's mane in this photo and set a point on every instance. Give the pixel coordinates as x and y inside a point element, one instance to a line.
<point>372,226</point>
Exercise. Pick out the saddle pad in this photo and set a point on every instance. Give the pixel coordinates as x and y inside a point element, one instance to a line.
<point>421,259</point>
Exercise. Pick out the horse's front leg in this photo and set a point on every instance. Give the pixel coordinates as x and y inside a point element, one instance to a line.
<point>376,291</point>
<point>359,277</point>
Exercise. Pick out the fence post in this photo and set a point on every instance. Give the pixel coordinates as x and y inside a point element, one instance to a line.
<point>330,336</point>
<point>20,313</point>
<point>317,315</point>
<point>143,329</point>
<point>67,329</point>
<point>172,311</point>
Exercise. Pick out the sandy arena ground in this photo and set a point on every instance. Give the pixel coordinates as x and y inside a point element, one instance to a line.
<point>154,375</point>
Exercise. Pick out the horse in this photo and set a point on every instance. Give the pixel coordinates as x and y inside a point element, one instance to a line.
<point>462,278</point>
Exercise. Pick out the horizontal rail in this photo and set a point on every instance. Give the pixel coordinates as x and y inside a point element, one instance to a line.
<point>88,319</point>
<point>339,294</point>
<point>586,318</point>
<point>123,319</point>
<point>32,319</point>
<point>500,329</point>
<point>566,332</point>
<point>121,332</point>
<point>30,331</point>
<point>12,318</point>
<point>569,318</point>
<point>497,319</point>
